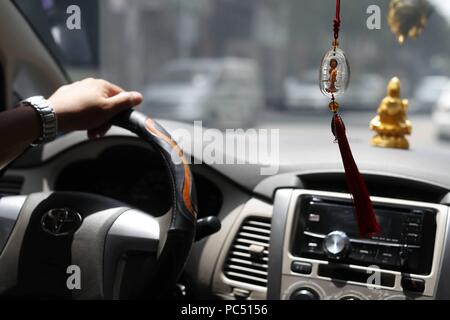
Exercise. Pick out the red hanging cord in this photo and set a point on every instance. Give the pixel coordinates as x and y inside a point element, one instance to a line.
<point>337,20</point>
<point>365,215</point>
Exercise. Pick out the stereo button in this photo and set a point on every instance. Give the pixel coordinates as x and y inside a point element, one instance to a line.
<point>414,285</point>
<point>363,253</point>
<point>414,219</point>
<point>412,238</point>
<point>412,228</point>
<point>388,256</point>
<point>312,217</point>
<point>301,267</point>
<point>313,245</point>
<point>368,258</point>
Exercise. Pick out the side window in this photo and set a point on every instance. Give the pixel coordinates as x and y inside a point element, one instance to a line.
<point>27,83</point>
<point>24,84</point>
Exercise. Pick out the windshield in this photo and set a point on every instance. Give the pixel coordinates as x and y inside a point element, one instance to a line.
<point>259,59</point>
<point>182,76</point>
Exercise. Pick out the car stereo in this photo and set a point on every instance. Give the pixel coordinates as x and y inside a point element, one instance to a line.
<point>325,228</point>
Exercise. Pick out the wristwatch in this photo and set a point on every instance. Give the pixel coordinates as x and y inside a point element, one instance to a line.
<point>48,117</point>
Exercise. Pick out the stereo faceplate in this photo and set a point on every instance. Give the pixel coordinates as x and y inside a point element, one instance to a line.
<point>405,244</point>
<point>371,264</point>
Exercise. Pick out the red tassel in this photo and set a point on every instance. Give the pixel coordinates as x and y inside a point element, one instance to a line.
<point>365,215</point>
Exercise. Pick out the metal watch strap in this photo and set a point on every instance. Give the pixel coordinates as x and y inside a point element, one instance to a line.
<point>48,117</point>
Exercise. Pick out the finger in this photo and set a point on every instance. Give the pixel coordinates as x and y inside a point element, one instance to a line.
<point>124,100</point>
<point>112,89</point>
<point>99,132</point>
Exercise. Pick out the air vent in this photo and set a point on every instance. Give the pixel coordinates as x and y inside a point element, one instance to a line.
<point>248,259</point>
<point>10,186</point>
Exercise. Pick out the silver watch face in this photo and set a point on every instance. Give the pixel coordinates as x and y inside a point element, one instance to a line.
<point>36,100</point>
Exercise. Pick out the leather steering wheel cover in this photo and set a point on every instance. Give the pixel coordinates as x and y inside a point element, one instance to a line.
<point>159,132</point>
<point>181,231</point>
<point>184,213</point>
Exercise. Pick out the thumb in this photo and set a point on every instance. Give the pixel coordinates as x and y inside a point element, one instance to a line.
<point>124,100</point>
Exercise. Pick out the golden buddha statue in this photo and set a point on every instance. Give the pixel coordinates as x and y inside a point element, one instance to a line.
<point>391,124</point>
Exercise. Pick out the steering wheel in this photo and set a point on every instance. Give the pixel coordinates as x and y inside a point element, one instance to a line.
<point>85,246</point>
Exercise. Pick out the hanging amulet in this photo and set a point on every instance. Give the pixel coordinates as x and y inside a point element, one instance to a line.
<point>334,73</point>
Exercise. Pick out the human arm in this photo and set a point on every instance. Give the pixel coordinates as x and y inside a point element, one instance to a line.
<point>85,105</point>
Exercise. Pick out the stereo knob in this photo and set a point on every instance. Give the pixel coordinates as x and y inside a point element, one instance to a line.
<point>336,245</point>
<point>304,294</point>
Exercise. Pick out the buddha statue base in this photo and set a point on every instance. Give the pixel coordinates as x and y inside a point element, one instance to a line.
<point>385,141</point>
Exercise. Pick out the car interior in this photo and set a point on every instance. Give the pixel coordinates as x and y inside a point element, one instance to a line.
<point>246,236</point>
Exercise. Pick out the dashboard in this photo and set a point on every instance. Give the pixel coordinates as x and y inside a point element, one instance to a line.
<point>288,236</point>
